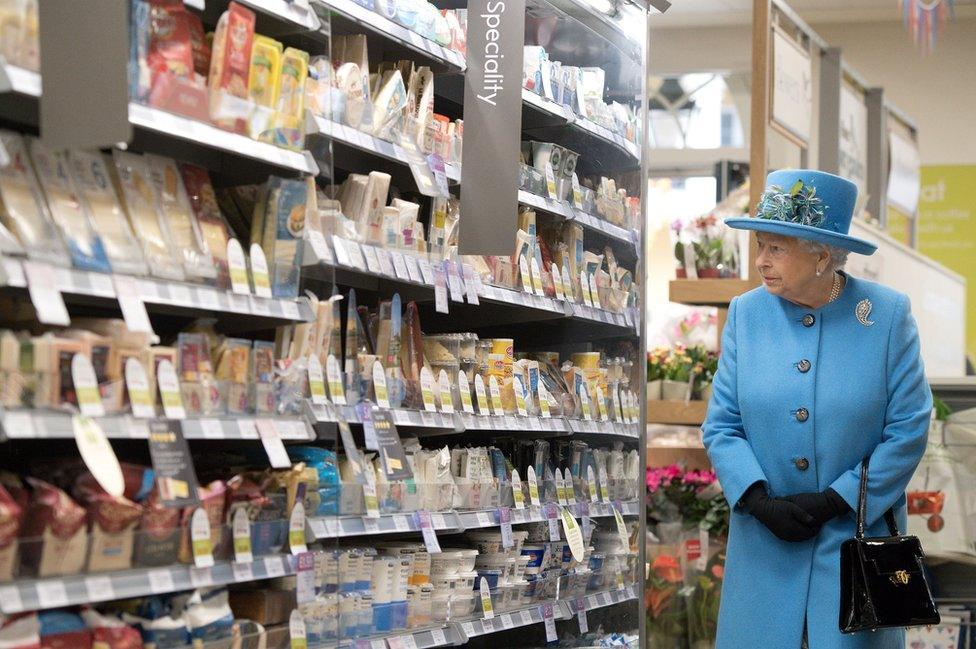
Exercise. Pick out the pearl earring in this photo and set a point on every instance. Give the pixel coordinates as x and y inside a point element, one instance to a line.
<point>819,272</point>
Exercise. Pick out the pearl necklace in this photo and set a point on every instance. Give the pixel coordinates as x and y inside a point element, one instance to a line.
<point>835,289</point>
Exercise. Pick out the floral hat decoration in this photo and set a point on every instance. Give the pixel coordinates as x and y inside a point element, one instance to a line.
<point>807,204</point>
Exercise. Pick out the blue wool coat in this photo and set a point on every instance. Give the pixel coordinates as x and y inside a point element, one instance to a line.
<point>863,392</point>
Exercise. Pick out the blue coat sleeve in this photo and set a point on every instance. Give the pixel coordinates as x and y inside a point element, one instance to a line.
<point>723,434</point>
<point>906,423</point>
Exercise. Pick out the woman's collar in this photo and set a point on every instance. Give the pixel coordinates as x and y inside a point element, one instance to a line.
<point>845,295</point>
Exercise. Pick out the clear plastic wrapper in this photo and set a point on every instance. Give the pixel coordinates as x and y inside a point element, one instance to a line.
<point>25,214</point>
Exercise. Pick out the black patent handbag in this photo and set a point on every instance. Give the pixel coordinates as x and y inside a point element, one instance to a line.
<point>882,584</point>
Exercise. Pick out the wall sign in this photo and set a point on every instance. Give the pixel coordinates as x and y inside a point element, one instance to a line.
<point>492,106</point>
<point>792,95</point>
<point>852,149</point>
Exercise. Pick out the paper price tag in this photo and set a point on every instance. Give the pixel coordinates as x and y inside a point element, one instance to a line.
<point>319,247</point>
<point>427,531</point>
<point>438,637</point>
<point>242,572</point>
<point>468,629</point>
<point>464,390</point>
<point>386,263</point>
<point>570,487</point>
<point>316,381</point>
<point>440,289</point>
<point>601,403</point>
<point>259,272</point>
<point>42,286</point>
<point>273,445</point>
<point>560,488</point>
<point>551,513</point>
<point>379,385</point>
<point>584,626</point>
<point>201,577</point>
<point>525,617</point>
<point>427,389</point>
<point>201,542</point>
<point>573,534</point>
<point>137,385</point>
<point>130,302</point>
<point>99,589</point>
<point>550,622</point>
<point>537,278</point>
<point>519,388</point>
<point>604,485</point>
<point>486,608</point>
<point>484,519</point>
<point>557,283</point>
<point>241,528</point>
<point>445,397</point>
<point>621,529</point>
<point>481,395</point>
<point>372,259</point>
<point>86,386</point>
<point>517,496</point>
<point>496,397</point>
<point>577,193</point>
<point>505,522</point>
<point>470,285</point>
<point>304,578</point>
<point>567,283</point>
<point>97,454</point>
<point>586,406</point>
<point>400,265</point>
<point>525,275</point>
<point>594,293</point>
<point>296,631</point>
<point>237,267</point>
<point>169,391</point>
<point>591,484</point>
<point>161,581</point>
<point>51,593</point>
<point>274,567</point>
<point>356,255</point>
<point>426,271</point>
<point>336,390</point>
<point>296,529</point>
<point>585,289</point>
<point>454,281</point>
<point>551,182</point>
<point>372,502</point>
<point>533,486</point>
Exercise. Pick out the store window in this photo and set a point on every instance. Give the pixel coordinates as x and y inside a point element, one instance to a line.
<point>695,111</point>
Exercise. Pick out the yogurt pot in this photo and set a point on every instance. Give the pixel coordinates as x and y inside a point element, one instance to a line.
<point>445,563</point>
<point>519,536</point>
<point>466,558</point>
<point>521,562</point>
<point>488,541</point>
<point>492,575</point>
<point>536,554</point>
<point>463,605</point>
<point>464,582</point>
<point>501,562</point>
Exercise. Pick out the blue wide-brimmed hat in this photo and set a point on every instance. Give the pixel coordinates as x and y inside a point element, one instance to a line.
<point>807,204</point>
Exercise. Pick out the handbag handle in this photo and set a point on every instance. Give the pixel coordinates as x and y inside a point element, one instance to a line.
<point>862,504</point>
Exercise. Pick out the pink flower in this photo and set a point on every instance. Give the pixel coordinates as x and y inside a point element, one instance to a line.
<point>676,225</point>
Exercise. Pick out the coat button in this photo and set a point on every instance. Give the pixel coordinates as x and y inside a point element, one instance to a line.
<point>808,320</point>
<point>802,463</point>
<point>803,366</point>
<point>802,415</point>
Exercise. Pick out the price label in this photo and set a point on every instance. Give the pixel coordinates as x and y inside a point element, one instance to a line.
<point>525,275</point>
<point>426,272</point>
<point>440,289</point>
<point>573,534</point>
<point>570,487</point>
<point>131,304</point>
<point>601,403</point>
<point>594,293</point>
<point>316,381</point>
<point>526,617</point>
<point>533,487</point>
<point>296,529</point>
<point>273,445</point>
<point>304,578</point>
<point>584,395</point>
<point>386,263</point>
<point>169,390</point>
<point>237,267</point>
<point>446,398</point>
<point>505,522</point>
<point>97,454</point>
<point>42,286</point>
<point>319,247</point>
<point>137,385</point>
<point>51,593</point>
<point>243,572</point>
<point>259,272</point>
<point>274,567</point>
<point>296,631</point>
<point>560,488</point>
<point>464,390</point>
<point>550,621</point>
<point>86,386</point>
<point>400,265</point>
<point>486,608</point>
<point>427,389</point>
<point>481,395</point>
<point>519,389</point>
<point>621,529</point>
<point>379,385</point>
<point>438,637</point>
<point>336,390</point>
<point>99,589</point>
<point>470,284</point>
<point>372,502</point>
<point>584,626</point>
<point>401,523</point>
<point>604,485</point>
<point>517,496</point>
<point>161,581</point>
<point>356,255</point>
<point>551,182</point>
<point>201,542</point>
<point>577,193</point>
<point>468,629</point>
<point>537,287</point>
<point>454,281</point>
<point>427,531</point>
<point>484,519</point>
<point>372,260</point>
<point>551,511</point>
<point>567,282</point>
<point>201,577</point>
<point>241,528</point>
<point>591,484</point>
<point>557,283</point>
<point>496,397</point>
<point>585,289</point>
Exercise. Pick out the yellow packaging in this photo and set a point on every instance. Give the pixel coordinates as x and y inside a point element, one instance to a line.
<point>587,360</point>
<point>291,89</point>
<point>505,347</point>
<point>264,78</point>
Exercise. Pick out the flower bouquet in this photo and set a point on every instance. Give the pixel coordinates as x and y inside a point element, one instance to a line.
<point>667,617</point>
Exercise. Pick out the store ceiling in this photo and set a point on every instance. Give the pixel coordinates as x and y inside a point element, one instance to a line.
<point>691,13</point>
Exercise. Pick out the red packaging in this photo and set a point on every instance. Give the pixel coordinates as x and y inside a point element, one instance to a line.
<point>213,227</point>
<point>54,540</point>
<point>112,522</point>
<point>170,51</point>
<point>158,538</point>
<point>199,46</point>
<point>230,60</point>
<point>21,632</point>
<point>109,632</point>
<point>13,507</point>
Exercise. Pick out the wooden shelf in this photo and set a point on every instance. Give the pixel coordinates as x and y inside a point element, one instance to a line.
<point>691,413</point>
<point>708,292</point>
<point>690,457</point>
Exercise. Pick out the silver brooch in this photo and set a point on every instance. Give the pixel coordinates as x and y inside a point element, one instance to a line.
<point>862,311</point>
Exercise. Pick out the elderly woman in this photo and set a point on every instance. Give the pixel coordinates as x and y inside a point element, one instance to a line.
<point>818,371</point>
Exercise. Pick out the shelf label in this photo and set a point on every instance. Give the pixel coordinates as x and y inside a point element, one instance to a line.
<point>454,281</point>
<point>601,403</point>
<point>42,286</point>
<point>243,572</point>
<point>584,395</point>
<point>130,302</point>
<point>537,287</point>
<point>304,577</point>
<point>444,393</point>
<point>524,274</point>
<point>464,389</point>
<point>336,390</point>
<point>486,608</point>
<point>604,485</point>
<point>98,455</point>
<point>481,395</point>
<point>202,544</point>
<point>573,534</point>
<point>372,259</point>
<point>137,384</point>
<point>496,397</point>
<point>99,588</point>
<point>551,182</point>
<point>519,388</point>
<point>259,272</point>
<point>273,446</point>
<point>238,267</point>
<point>241,528</point>
<point>316,381</point>
<point>427,389</point>
<point>570,487</point>
<point>585,289</point>
<point>296,631</point>
<point>440,289</point>
<point>51,593</point>
<point>568,283</point>
<point>560,488</point>
<point>584,626</point>
<point>379,385</point>
<point>533,486</point>
<point>621,529</point>
<point>86,386</point>
<point>505,522</point>
<point>296,527</point>
<point>471,284</point>
<point>169,390</point>
<point>557,282</point>
<point>161,581</point>
<point>400,265</point>
<point>427,530</point>
<point>577,191</point>
<point>426,272</point>
<point>545,408</point>
<point>370,498</point>
<point>594,293</point>
<point>551,513</point>
<point>386,263</point>
<point>547,616</point>
<point>591,484</point>
<point>517,496</point>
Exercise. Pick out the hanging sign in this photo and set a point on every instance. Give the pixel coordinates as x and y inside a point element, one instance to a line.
<point>172,464</point>
<point>905,175</point>
<point>852,147</point>
<point>792,91</point>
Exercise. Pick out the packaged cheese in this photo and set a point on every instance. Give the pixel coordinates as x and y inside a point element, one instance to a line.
<point>92,179</point>
<point>132,175</point>
<point>284,231</point>
<point>289,119</point>
<point>213,227</point>
<point>54,538</point>
<point>264,82</point>
<point>182,223</point>
<point>24,211</point>
<point>230,61</point>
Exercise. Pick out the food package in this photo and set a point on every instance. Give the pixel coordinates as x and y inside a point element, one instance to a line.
<point>289,118</point>
<point>208,616</point>
<point>158,537</point>
<point>170,47</point>
<point>93,181</point>
<point>284,231</point>
<point>60,628</point>
<point>52,362</point>
<point>54,538</point>
<point>20,42</point>
<point>350,94</point>
<point>326,490</point>
<point>230,64</point>
<point>104,356</point>
<point>148,223</point>
<point>112,522</point>
<point>213,227</point>
<point>265,508</point>
<point>13,509</point>
<point>212,499</point>
<point>110,632</point>
<point>198,388</point>
<point>319,86</point>
<point>174,205</point>
<point>264,82</point>
<point>25,215</point>
<point>262,377</point>
<point>233,365</point>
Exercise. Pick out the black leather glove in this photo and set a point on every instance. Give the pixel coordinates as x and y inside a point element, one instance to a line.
<point>786,520</point>
<point>823,506</point>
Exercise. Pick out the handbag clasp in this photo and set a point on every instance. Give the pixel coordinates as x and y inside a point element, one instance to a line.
<point>900,578</point>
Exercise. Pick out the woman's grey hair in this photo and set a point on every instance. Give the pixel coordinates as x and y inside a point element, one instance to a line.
<point>838,256</point>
